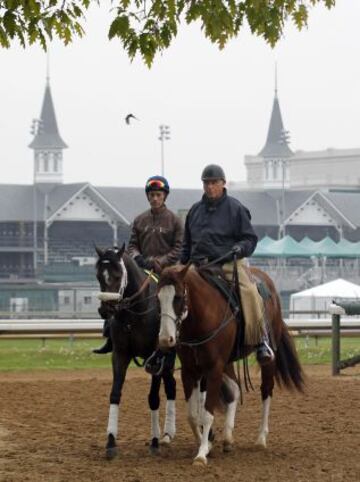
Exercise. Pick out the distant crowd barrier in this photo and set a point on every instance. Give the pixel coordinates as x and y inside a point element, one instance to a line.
<point>337,310</point>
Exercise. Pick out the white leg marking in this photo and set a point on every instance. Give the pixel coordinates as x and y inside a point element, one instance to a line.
<point>230,412</point>
<point>112,427</point>
<point>167,332</point>
<point>264,426</point>
<point>170,418</point>
<point>155,424</point>
<point>193,413</point>
<point>206,422</point>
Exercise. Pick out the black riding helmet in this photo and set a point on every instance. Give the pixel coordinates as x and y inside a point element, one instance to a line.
<point>213,172</point>
<point>157,183</point>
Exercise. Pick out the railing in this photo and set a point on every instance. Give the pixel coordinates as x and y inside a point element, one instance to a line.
<point>311,326</point>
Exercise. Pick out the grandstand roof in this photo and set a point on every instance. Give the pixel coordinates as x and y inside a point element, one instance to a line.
<point>17,202</point>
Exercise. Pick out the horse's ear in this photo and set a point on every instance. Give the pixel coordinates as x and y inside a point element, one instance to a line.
<point>184,270</point>
<point>120,252</point>
<point>99,251</point>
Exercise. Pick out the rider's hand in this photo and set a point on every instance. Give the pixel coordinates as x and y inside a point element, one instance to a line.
<point>157,266</point>
<point>140,260</point>
<point>238,251</point>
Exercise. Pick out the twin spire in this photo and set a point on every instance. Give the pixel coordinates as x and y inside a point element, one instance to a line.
<point>277,141</point>
<point>47,144</point>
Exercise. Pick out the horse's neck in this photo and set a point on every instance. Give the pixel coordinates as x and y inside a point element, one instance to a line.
<point>201,295</point>
<point>135,276</point>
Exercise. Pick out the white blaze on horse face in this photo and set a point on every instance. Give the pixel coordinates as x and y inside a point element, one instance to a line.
<point>106,277</point>
<point>167,333</point>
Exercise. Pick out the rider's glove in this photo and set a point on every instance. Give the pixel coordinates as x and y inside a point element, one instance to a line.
<point>144,263</point>
<point>140,260</point>
<point>238,251</point>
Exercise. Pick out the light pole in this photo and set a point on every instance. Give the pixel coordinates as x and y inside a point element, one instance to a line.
<point>164,136</point>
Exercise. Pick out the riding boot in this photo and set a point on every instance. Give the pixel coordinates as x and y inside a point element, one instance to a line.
<point>264,353</point>
<point>155,363</point>
<point>107,346</point>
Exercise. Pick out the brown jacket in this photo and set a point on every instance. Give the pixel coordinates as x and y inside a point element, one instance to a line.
<point>157,235</point>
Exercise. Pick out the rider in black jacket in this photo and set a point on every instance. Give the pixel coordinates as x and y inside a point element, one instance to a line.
<point>219,226</point>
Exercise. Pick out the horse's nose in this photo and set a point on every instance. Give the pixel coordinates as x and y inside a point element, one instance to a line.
<point>166,341</point>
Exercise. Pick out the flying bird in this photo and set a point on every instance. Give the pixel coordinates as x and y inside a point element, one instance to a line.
<point>129,117</point>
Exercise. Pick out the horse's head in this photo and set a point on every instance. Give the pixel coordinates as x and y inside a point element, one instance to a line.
<point>111,273</point>
<point>173,306</point>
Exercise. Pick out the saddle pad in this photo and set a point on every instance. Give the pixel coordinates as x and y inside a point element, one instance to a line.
<point>216,279</point>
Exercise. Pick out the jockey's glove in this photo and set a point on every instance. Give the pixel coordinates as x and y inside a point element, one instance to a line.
<point>144,263</point>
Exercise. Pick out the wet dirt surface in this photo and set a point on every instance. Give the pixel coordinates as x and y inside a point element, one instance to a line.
<point>53,425</point>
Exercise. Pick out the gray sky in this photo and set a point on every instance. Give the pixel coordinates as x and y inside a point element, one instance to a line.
<point>217,103</point>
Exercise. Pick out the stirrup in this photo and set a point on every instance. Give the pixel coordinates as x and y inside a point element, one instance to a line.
<point>154,365</point>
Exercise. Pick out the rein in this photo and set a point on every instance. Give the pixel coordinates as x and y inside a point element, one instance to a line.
<point>210,336</point>
<point>206,338</point>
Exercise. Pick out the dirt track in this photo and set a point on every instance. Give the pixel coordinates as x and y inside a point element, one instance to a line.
<point>52,428</point>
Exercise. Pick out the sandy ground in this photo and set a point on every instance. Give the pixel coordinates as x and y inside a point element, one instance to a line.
<point>52,428</point>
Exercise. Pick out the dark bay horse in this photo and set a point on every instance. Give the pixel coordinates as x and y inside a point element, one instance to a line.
<point>129,299</point>
<point>198,321</point>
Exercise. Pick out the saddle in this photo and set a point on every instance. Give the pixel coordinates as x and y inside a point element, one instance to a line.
<point>215,276</point>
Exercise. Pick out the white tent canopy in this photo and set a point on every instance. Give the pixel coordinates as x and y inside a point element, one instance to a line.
<point>320,297</point>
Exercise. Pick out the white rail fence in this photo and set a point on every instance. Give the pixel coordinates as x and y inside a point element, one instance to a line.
<point>309,326</point>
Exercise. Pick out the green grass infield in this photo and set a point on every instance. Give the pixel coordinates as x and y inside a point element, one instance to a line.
<point>76,354</point>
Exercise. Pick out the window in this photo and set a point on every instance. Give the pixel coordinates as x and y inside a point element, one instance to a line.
<point>87,300</point>
<point>275,169</point>
<point>266,170</point>
<point>66,300</point>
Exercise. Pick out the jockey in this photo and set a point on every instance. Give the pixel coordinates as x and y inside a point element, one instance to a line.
<point>155,242</point>
<point>220,224</point>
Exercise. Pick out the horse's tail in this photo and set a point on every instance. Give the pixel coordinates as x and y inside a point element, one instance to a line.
<point>289,372</point>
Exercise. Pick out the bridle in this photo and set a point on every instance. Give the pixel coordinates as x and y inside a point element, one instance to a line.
<point>117,300</point>
<point>184,313</point>
<point>178,319</point>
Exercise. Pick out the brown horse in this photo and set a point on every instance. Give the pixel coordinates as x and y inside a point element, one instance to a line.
<point>196,318</point>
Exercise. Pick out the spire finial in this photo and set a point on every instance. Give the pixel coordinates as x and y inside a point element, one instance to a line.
<point>276,79</point>
<point>48,66</point>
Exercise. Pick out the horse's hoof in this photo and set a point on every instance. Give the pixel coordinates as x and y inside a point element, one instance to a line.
<point>200,461</point>
<point>227,446</point>
<point>261,442</point>
<point>166,440</point>
<point>111,453</point>
<point>154,446</point>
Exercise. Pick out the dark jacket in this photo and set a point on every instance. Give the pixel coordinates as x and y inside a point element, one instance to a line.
<point>213,228</point>
<point>157,236</point>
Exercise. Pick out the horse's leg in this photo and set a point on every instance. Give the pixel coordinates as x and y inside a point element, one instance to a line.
<point>213,380</point>
<point>170,411</point>
<point>229,379</point>
<point>191,392</point>
<point>267,385</point>
<point>202,398</point>
<point>154,404</point>
<point>119,365</point>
